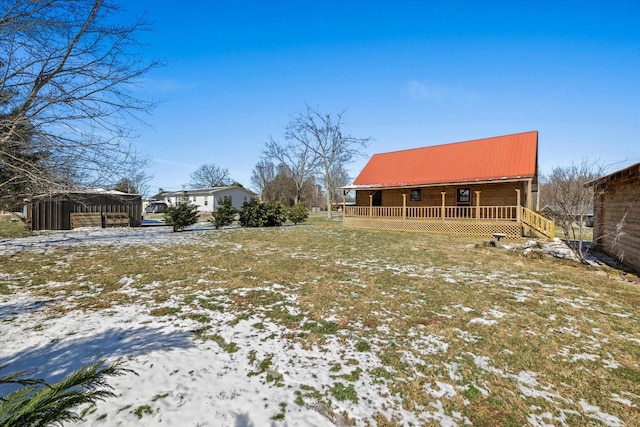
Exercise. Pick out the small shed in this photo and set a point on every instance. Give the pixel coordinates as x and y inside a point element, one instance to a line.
<point>616,215</point>
<point>67,210</point>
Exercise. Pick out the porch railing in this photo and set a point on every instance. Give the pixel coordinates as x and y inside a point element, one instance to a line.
<point>541,225</point>
<point>493,213</point>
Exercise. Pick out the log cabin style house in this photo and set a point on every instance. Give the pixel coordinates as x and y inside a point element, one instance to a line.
<point>473,188</point>
<point>616,215</point>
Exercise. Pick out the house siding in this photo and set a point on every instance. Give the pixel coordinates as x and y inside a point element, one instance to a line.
<point>617,218</point>
<point>213,197</point>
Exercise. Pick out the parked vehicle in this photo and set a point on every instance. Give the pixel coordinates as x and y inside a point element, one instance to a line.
<point>156,207</point>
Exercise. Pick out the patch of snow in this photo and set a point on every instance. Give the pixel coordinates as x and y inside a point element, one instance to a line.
<point>594,412</point>
<point>617,398</point>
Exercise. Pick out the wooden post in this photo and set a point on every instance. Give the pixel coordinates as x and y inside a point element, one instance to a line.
<point>370,205</point>
<point>518,204</point>
<point>442,214</point>
<point>529,185</point>
<point>404,206</point>
<point>344,204</point>
<point>477,204</point>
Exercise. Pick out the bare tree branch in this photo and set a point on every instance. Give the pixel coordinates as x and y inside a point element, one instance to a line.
<point>67,80</point>
<point>209,175</point>
<point>320,135</point>
<point>566,198</point>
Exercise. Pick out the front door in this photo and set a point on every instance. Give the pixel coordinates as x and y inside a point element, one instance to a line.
<point>377,198</point>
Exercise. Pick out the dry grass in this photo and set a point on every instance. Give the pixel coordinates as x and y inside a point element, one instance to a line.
<point>11,226</point>
<point>514,338</point>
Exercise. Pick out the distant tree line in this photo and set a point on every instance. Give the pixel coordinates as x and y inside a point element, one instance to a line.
<point>307,166</point>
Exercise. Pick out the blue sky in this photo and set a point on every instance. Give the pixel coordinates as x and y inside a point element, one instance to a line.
<point>407,73</point>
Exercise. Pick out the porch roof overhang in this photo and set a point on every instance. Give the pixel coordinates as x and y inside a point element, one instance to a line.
<point>373,187</point>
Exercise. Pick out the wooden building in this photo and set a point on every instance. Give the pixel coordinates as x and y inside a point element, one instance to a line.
<point>616,215</point>
<point>474,188</point>
<point>92,208</point>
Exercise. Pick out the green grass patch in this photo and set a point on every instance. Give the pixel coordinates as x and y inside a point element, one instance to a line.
<point>340,392</point>
<point>140,411</point>
<point>164,311</point>
<point>229,347</point>
<point>320,328</point>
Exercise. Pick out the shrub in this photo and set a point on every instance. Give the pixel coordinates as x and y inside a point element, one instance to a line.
<point>256,214</point>
<point>252,214</point>
<point>298,213</point>
<point>225,214</point>
<point>276,214</point>
<point>182,215</point>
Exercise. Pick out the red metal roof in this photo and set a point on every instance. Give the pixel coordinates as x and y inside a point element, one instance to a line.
<point>491,159</point>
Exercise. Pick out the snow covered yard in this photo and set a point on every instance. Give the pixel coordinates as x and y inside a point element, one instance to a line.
<point>322,325</point>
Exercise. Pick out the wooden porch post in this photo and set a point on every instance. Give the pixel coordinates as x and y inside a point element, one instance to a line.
<point>404,206</point>
<point>344,203</point>
<point>518,205</point>
<point>529,189</point>
<point>477,204</point>
<point>443,194</point>
<point>370,205</point>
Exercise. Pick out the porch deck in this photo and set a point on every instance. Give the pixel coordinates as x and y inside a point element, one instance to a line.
<point>473,221</point>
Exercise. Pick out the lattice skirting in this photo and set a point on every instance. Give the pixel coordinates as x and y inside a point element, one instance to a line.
<point>471,228</point>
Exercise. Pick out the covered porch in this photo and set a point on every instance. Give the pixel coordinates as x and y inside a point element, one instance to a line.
<point>461,213</point>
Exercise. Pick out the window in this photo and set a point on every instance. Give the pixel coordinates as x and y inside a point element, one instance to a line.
<point>415,195</point>
<point>206,200</point>
<point>464,195</point>
<point>246,199</point>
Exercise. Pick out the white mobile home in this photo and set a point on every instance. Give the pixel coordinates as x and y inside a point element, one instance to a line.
<point>208,199</point>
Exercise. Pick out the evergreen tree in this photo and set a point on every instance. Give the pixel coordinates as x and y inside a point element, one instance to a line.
<point>182,215</point>
<point>41,404</point>
<point>275,214</point>
<point>298,213</point>
<point>126,185</point>
<point>252,214</point>
<point>225,214</point>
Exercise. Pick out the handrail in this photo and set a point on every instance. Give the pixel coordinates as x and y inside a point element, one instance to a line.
<point>538,222</point>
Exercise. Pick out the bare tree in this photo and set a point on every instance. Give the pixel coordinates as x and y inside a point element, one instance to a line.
<point>263,172</point>
<point>320,136</point>
<point>299,160</point>
<point>67,75</point>
<point>566,198</point>
<point>210,175</point>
